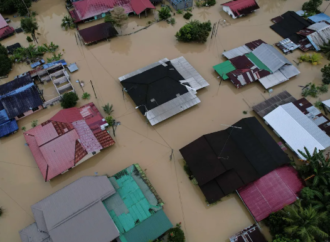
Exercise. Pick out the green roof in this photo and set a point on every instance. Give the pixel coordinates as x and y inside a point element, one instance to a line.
<point>257,62</point>
<point>133,203</point>
<point>223,68</point>
<point>149,229</point>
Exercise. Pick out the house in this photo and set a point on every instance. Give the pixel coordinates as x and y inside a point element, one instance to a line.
<point>181,4</point>
<point>5,29</point>
<point>239,8</point>
<point>12,48</point>
<point>317,34</point>
<point>140,6</point>
<point>20,97</point>
<point>98,33</point>
<point>7,126</point>
<point>249,234</point>
<point>319,18</point>
<point>271,192</point>
<point>164,88</point>
<point>300,125</point>
<point>256,61</point>
<point>68,139</point>
<point>224,161</point>
<point>100,209</point>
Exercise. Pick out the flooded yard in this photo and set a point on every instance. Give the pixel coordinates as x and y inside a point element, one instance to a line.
<point>21,183</point>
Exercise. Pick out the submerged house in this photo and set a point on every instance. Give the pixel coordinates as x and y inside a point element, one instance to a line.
<point>5,29</point>
<point>69,138</point>
<point>181,4</point>
<point>226,160</point>
<point>239,8</point>
<point>164,88</point>
<point>121,208</point>
<point>256,61</point>
<point>20,97</point>
<point>317,34</point>
<point>249,234</point>
<point>271,192</point>
<point>300,125</point>
<point>98,33</point>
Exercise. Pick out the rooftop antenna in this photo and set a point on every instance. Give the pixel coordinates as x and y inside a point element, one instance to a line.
<point>233,127</point>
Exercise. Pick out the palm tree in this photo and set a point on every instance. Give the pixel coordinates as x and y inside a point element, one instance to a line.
<point>317,167</point>
<point>323,201</point>
<point>108,108</point>
<point>325,49</point>
<point>304,222</point>
<point>30,25</point>
<point>67,22</point>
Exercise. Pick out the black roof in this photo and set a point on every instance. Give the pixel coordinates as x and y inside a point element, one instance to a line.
<point>98,32</point>
<point>226,160</point>
<point>14,84</point>
<point>12,48</point>
<point>290,25</point>
<point>21,102</point>
<point>160,83</point>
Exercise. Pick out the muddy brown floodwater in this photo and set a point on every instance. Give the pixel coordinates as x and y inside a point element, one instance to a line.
<point>21,183</point>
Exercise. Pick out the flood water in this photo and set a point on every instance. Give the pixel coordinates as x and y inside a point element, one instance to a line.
<point>21,183</point>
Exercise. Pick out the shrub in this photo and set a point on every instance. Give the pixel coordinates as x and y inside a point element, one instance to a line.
<point>29,39</point>
<point>69,100</point>
<point>86,95</point>
<point>108,108</point>
<point>5,65</point>
<point>179,11</point>
<point>314,58</point>
<point>244,112</point>
<point>323,88</point>
<point>312,6</point>
<point>34,123</point>
<point>1,211</point>
<point>318,104</point>
<point>211,2</point>
<point>109,19</point>
<point>275,223</point>
<point>199,4</point>
<point>172,21</point>
<point>194,31</point>
<point>188,9</point>
<point>187,170</point>
<point>326,74</point>
<point>284,238</point>
<point>187,15</point>
<point>109,120</point>
<point>310,90</point>
<point>176,234</point>
<point>164,13</point>
<point>23,129</point>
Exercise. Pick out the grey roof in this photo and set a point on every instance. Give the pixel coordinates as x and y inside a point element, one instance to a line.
<point>67,210</point>
<point>297,129</point>
<point>273,59</point>
<point>32,234</point>
<point>242,50</point>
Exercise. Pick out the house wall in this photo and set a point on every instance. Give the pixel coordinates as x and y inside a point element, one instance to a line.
<point>30,112</point>
<point>228,10</point>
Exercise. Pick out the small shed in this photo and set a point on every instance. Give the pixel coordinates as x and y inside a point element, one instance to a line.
<point>98,33</point>
<point>239,8</point>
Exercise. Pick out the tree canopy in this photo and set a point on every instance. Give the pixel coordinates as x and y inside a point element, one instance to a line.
<point>312,6</point>
<point>118,16</point>
<point>12,6</point>
<point>30,25</point>
<point>69,100</point>
<point>326,74</point>
<point>194,31</point>
<point>5,62</point>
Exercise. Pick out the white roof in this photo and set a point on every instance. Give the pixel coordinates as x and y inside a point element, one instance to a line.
<point>326,103</point>
<point>289,71</point>
<point>296,129</point>
<point>273,79</point>
<point>242,50</point>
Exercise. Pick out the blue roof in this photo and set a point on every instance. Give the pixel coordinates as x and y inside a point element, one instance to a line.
<point>149,229</point>
<point>3,116</point>
<point>319,17</point>
<point>8,127</point>
<point>54,63</point>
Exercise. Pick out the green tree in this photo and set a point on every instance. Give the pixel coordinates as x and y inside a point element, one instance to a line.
<point>34,123</point>
<point>176,234</point>
<point>317,167</point>
<point>69,100</point>
<point>304,223</point>
<point>194,31</point>
<point>275,223</point>
<point>118,16</point>
<point>312,6</point>
<point>3,50</point>
<point>67,22</point>
<point>5,65</point>
<point>187,15</point>
<point>12,6</point>
<point>325,49</point>
<point>30,25</point>
<point>284,238</point>
<point>326,74</point>
<point>86,95</point>
<point>164,13</point>
<point>108,109</point>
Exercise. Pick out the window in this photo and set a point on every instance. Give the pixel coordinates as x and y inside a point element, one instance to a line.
<point>35,109</point>
<point>20,115</point>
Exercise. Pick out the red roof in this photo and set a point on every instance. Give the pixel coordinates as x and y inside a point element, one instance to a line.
<point>271,192</point>
<point>140,5</point>
<point>85,9</point>
<point>239,7</point>
<point>6,31</point>
<point>61,142</point>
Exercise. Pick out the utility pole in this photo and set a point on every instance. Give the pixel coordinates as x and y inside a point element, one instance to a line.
<point>93,89</point>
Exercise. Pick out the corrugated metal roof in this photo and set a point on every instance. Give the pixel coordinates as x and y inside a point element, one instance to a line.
<point>150,229</point>
<point>239,7</point>
<point>8,127</point>
<point>140,5</point>
<point>4,32</point>
<point>289,71</point>
<point>3,22</point>
<point>321,36</point>
<point>273,59</point>
<point>15,84</point>
<point>319,17</point>
<point>98,32</point>
<point>296,129</point>
<point>257,62</point>
<point>224,68</point>
<point>32,234</point>
<point>273,79</point>
<point>327,103</point>
<point>318,26</point>
<point>242,50</point>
